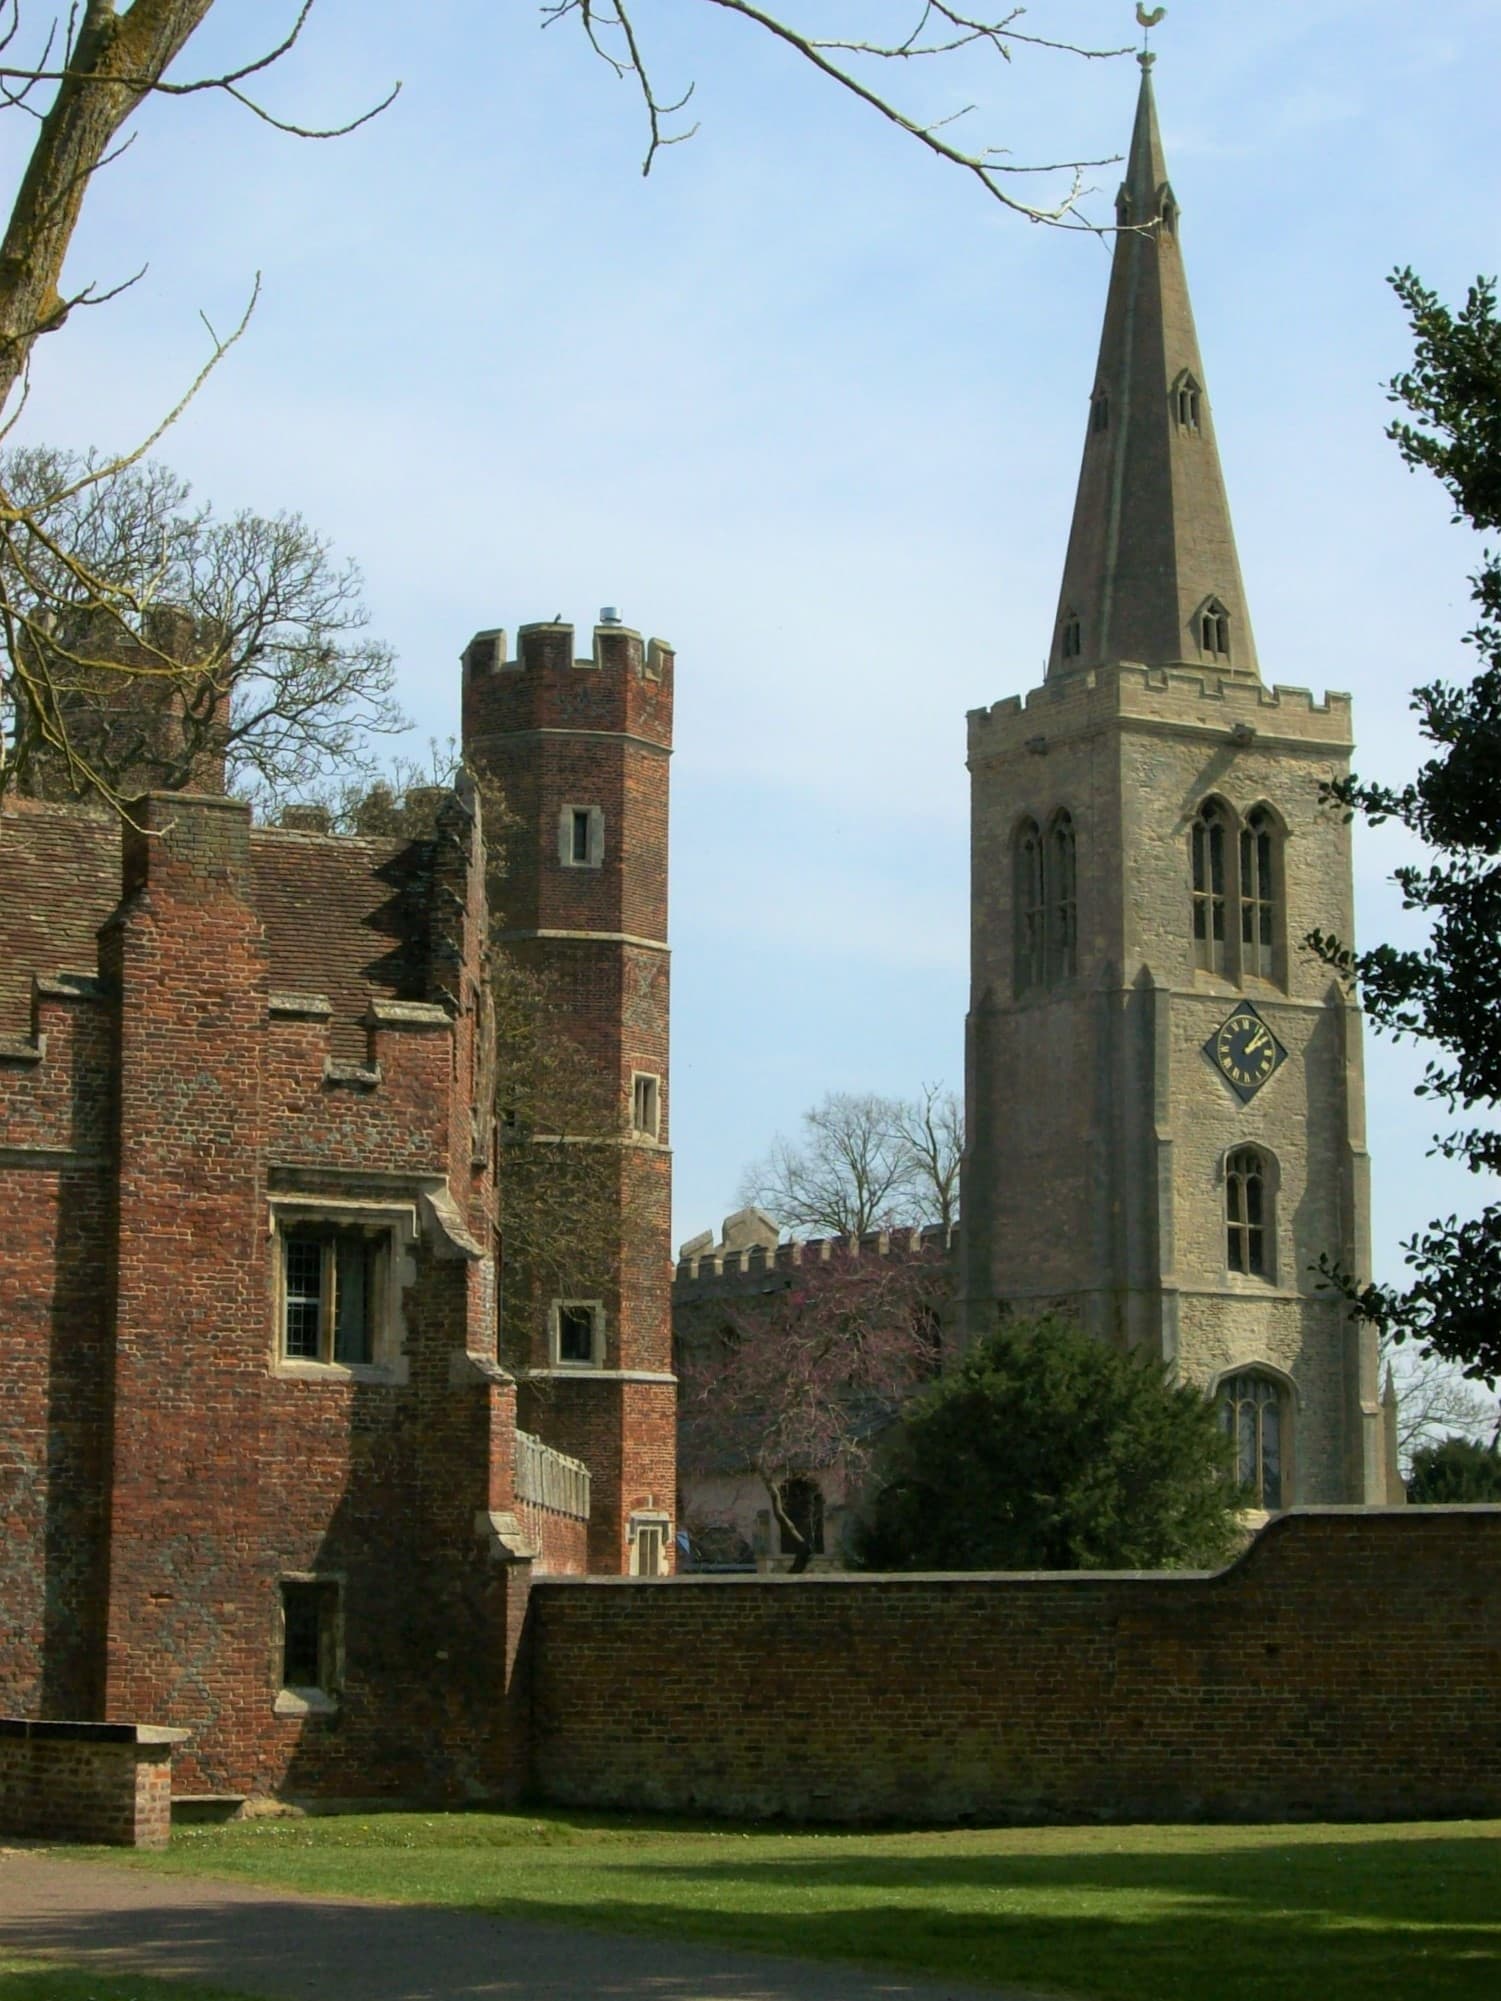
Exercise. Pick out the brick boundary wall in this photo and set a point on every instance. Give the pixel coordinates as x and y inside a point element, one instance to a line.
<point>1347,1666</point>
<point>104,1782</point>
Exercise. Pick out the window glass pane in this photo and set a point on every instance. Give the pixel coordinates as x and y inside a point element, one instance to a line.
<point>304,1297</point>
<point>352,1297</point>
<point>1247,1433</point>
<point>1271,1451</point>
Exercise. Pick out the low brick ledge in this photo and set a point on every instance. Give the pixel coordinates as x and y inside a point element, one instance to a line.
<point>109,1783</point>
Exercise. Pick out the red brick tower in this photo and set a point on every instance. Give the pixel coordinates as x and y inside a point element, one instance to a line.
<point>579,749</point>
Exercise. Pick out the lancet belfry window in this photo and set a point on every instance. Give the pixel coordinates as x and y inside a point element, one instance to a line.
<point>1045,900</point>
<point>1031,910</point>
<point>1258,894</point>
<point>1237,869</point>
<point>1252,1412</point>
<point>1073,638</point>
<point>1100,415</point>
<point>1214,630</point>
<point>1187,397</point>
<point>1211,839</point>
<point>1248,1217</point>
<point>1061,872</point>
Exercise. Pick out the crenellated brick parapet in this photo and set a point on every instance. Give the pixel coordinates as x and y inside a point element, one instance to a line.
<point>719,1270</point>
<point>622,685</point>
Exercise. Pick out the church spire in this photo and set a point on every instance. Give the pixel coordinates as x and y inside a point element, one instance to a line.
<point>1152,574</point>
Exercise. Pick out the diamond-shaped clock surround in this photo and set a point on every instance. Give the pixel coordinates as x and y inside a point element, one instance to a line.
<point>1225,1053</point>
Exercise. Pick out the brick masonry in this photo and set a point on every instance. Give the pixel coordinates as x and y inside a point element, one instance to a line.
<point>223,1027</point>
<point>561,733</point>
<point>1347,1667</point>
<point>102,1782</point>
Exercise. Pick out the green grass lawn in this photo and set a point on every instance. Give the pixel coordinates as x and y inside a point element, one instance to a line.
<point>1115,1914</point>
<point>29,1979</point>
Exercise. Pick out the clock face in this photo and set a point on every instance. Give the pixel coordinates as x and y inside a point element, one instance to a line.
<point>1244,1051</point>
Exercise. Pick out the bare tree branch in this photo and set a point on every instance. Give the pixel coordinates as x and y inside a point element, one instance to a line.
<point>940,30</point>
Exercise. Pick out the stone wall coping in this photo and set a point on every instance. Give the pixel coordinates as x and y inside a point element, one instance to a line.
<point>70,986</point>
<point>92,1733</point>
<point>314,1006</point>
<point>1404,1519</point>
<point>407,1014</point>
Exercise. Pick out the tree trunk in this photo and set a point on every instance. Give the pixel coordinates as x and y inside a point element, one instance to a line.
<point>116,61</point>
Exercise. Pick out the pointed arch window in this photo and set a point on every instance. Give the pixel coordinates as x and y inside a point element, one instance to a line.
<point>1099,416</point>
<point>1253,1413</point>
<point>1211,844</point>
<point>1214,630</point>
<point>1030,907</point>
<point>1063,899</point>
<point>1072,644</point>
<point>1259,914</point>
<point>1167,208</point>
<point>1188,403</point>
<point>1248,1212</point>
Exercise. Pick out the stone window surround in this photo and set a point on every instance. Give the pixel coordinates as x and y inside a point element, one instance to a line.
<point>1045,902</point>
<point>651,1519</point>
<point>555,1311</point>
<point>1265,1280</point>
<point>596,844</point>
<point>308,1701</point>
<point>396,1222</point>
<point>652,1129</point>
<point>1213,630</point>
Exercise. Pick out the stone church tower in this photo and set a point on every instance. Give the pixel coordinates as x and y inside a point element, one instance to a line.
<point>1164,1087</point>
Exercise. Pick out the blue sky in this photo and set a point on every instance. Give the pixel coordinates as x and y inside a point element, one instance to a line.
<point>808,405</point>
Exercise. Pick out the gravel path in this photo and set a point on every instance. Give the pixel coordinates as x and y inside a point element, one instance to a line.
<point>281,1946</point>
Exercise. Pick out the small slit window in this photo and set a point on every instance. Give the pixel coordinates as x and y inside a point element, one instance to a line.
<point>1100,413</point>
<point>1188,396</point>
<point>1072,645</point>
<point>581,836</point>
<point>646,1107</point>
<point>1214,630</point>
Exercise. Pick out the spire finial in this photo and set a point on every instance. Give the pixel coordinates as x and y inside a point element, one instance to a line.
<point>1146,20</point>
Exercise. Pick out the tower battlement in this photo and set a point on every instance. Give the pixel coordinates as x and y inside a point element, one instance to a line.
<point>624,683</point>
<point>1184,696</point>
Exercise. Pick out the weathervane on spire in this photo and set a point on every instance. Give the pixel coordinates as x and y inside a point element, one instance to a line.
<point>1146,20</point>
